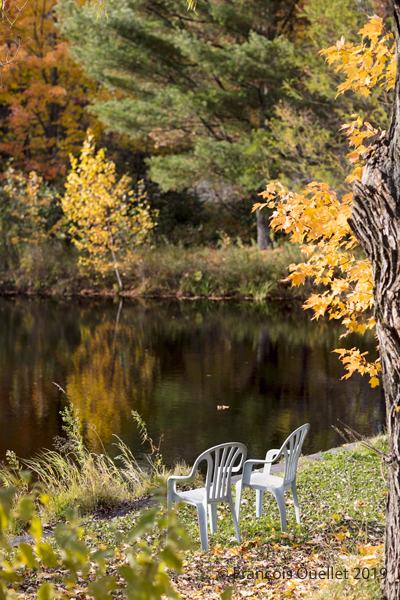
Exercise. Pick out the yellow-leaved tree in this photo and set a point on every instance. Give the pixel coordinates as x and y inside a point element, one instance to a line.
<point>317,218</point>
<point>107,219</point>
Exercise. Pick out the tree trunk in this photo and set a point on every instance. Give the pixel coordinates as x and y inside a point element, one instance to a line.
<point>375,221</point>
<point>262,230</point>
<point>116,269</point>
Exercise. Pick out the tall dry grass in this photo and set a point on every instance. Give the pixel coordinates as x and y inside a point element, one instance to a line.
<point>72,476</point>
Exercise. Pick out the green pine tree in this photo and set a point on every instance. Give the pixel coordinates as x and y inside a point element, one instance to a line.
<point>231,96</point>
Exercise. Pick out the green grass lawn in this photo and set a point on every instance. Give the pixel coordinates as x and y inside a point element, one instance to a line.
<point>342,502</point>
<point>336,552</point>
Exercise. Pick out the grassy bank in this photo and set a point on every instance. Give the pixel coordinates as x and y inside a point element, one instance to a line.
<point>232,270</point>
<point>342,503</point>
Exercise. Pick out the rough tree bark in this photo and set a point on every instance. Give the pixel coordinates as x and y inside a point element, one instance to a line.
<point>375,221</point>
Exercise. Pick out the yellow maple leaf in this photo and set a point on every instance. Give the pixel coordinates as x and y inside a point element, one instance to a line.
<point>369,550</point>
<point>373,28</point>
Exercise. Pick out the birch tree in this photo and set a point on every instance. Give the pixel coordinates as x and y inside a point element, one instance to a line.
<point>107,221</point>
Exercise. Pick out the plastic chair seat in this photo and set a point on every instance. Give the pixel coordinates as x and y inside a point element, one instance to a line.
<point>194,497</point>
<point>262,481</point>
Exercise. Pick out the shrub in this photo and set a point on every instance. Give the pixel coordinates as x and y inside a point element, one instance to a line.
<point>76,563</point>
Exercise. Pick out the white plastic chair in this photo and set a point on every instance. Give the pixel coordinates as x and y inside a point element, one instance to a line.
<point>220,466</point>
<point>262,481</point>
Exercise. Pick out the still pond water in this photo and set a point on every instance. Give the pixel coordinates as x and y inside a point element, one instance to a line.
<point>175,363</point>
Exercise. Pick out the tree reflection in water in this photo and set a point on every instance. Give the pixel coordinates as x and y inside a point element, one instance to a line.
<point>175,363</point>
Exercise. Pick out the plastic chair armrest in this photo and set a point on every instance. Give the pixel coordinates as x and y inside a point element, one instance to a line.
<point>240,465</point>
<point>174,479</point>
<point>180,477</point>
<point>260,461</point>
<point>273,455</point>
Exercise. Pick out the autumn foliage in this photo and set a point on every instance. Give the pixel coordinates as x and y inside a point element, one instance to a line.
<point>32,208</point>
<point>367,65</point>
<point>105,217</point>
<point>44,97</point>
<point>317,219</point>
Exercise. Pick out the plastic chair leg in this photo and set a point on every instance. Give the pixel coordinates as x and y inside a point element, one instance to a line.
<point>169,504</point>
<point>202,518</point>
<point>259,503</point>
<point>238,499</point>
<point>234,519</point>
<point>169,499</point>
<point>212,511</point>
<point>280,498</point>
<point>296,502</point>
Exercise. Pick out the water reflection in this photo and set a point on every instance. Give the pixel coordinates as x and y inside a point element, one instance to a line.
<point>174,363</point>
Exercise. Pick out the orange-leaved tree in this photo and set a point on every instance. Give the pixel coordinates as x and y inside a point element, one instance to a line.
<point>317,219</point>
<point>329,229</point>
<point>107,219</point>
<point>44,95</point>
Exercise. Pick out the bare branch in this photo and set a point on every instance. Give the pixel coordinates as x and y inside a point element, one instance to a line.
<point>12,37</point>
<point>350,436</point>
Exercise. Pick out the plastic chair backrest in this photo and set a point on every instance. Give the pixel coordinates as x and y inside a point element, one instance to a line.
<point>291,450</point>
<point>221,461</point>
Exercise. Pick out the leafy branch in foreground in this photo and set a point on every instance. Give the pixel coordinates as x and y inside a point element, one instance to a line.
<point>317,219</point>
<point>79,567</point>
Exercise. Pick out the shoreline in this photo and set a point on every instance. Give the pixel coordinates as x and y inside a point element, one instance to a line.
<point>229,272</point>
<point>137,295</point>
